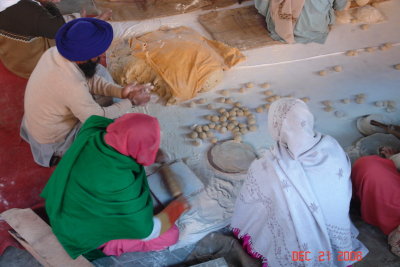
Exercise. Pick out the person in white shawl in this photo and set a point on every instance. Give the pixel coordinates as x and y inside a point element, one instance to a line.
<point>296,197</point>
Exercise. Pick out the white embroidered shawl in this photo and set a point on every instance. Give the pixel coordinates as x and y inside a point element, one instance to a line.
<point>296,197</point>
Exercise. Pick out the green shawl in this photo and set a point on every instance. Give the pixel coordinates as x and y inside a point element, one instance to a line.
<point>97,194</point>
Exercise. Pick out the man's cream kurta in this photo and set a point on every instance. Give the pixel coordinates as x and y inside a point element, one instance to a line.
<point>58,96</point>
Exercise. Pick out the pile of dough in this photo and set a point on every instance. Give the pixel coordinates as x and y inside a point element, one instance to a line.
<point>178,61</point>
<point>364,14</point>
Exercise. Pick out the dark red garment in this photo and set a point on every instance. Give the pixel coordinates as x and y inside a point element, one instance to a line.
<point>21,179</point>
<point>376,183</point>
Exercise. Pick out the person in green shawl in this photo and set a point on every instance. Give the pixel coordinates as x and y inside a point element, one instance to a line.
<point>300,21</point>
<point>98,197</point>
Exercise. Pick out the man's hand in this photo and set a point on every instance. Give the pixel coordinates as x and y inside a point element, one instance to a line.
<point>105,15</point>
<point>139,94</point>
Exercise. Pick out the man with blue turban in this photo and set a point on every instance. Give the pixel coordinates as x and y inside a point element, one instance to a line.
<point>60,92</point>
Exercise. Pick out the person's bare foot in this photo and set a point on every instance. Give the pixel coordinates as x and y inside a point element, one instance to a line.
<point>387,152</point>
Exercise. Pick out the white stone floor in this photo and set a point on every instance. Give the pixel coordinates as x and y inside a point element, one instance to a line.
<point>290,69</point>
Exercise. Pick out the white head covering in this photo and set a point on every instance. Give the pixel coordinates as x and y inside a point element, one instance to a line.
<point>291,124</point>
<point>7,3</point>
<point>297,196</point>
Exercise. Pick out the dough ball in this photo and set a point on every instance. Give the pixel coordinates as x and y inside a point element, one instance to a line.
<point>249,85</point>
<point>360,100</point>
<point>218,127</point>
<point>210,134</point>
<point>251,116</point>
<point>230,126</point>
<point>391,103</point>
<point>203,135</point>
<point>224,92</point>
<point>235,122</point>
<point>221,100</point>
<point>390,109</point>
<point>360,95</point>
<point>244,130</point>
<point>327,103</point>
<point>339,114</point>
<point>305,99</point>
<point>210,106</point>
<point>268,93</point>
<point>224,124</point>
<point>242,90</point>
<point>211,125</point>
<point>232,118</point>
<point>208,117</point>
<point>214,140</point>
<point>370,49</point>
<point>364,27</point>
<point>206,128</point>
<point>351,53</point>
<point>246,113</point>
<point>328,109</point>
<point>345,100</point>
<point>237,139</point>
<point>222,119</point>
<point>259,109</point>
<point>253,128</point>
<point>229,100</point>
<point>265,85</point>
<point>201,101</point>
<point>242,125</point>
<point>232,113</point>
<point>225,114</point>
<point>251,121</point>
<point>239,113</point>
<point>221,110</point>
<point>197,142</point>
<point>214,118</point>
<point>223,130</point>
<point>199,128</point>
<point>194,135</point>
<point>338,68</point>
<point>397,66</point>
<point>388,45</point>
<point>238,104</point>
<point>322,73</point>
<point>236,130</point>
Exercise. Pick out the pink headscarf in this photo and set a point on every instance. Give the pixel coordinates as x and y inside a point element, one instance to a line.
<point>136,135</point>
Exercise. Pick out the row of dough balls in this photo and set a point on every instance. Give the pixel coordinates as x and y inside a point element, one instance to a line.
<point>225,121</point>
<point>382,47</point>
<point>337,68</point>
<point>390,105</point>
<point>227,92</point>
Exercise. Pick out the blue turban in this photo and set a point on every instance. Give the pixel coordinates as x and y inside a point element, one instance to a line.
<point>84,38</point>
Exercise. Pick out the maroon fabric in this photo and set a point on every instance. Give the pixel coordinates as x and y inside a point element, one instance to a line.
<point>21,179</point>
<point>376,182</point>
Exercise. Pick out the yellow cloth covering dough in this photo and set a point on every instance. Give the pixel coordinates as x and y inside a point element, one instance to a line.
<point>178,61</point>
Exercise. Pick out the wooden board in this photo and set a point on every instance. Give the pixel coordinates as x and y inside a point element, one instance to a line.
<point>146,9</point>
<point>221,3</point>
<point>76,6</point>
<point>38,239</point>
<point>243,27</point>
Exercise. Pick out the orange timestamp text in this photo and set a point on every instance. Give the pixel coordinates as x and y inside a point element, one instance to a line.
<point>327,256</point>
